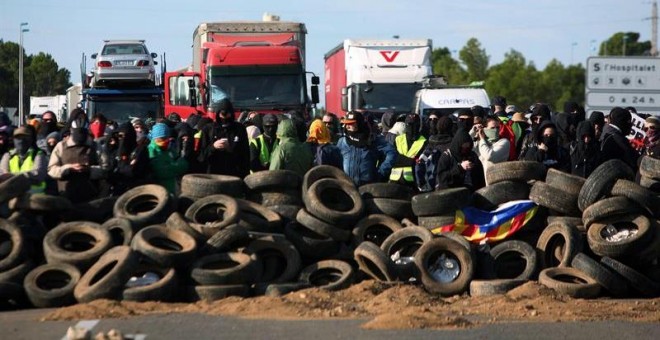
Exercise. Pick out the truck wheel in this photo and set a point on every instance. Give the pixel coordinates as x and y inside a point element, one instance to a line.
<point>609,207</point>
<point>322,227</point>
<point>553,198</point>
<point>491,196</point>
<point>13,186</point>
<point>323,171</point>
<point>397,209</point>
<point>283,197</point>
<point>404,244</point>
<point>256,217</point>
<point>40,202</point>
<point>310,244</point>
<point>571,184</point>
<point>226,239</point>
<point>177,222</point>
<point>639,282</point>
<point>599,235</point>
<point>638,194</point>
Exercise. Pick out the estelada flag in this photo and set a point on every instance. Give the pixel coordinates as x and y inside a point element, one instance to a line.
<point>488,226</point>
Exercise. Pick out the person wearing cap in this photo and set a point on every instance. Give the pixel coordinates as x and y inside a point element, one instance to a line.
<point>164,166</point>
<point>652,139</point>
<point>520,128</point>
<point>224,147</point>
<point>262,147</point>
<point>74,162</point>
<point>367,157</point>
<point>615,144</point>
<point>319,141</point>
<point>290,153</point>
<point>585,150</point>
<point>26,159</point>
<point>410,146</point>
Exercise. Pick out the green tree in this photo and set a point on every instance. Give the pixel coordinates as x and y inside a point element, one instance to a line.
<point>614,45</point>
<point>514,78</point>
<point>444,64</point>
<point>475,59</point>
<point>8,74</point>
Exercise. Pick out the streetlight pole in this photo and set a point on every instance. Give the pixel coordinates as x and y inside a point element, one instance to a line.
<point>625,39</point>
<point>572,50</point>
<point>20,73</point>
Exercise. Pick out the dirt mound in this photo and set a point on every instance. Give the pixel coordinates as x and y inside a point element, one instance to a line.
<point>395,306</point>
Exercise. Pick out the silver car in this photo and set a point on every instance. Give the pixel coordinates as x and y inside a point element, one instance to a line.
<point>124,61</point>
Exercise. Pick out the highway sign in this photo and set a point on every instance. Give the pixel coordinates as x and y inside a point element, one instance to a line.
<point>638,100</point>
<point>623,73</point>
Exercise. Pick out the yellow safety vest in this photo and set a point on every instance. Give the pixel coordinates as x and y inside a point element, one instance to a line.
<point>402,148</point>
<point>27,165</point>
<point>264,153</point>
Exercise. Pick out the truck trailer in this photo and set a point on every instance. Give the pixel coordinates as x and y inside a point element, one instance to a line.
<point>375,75</point>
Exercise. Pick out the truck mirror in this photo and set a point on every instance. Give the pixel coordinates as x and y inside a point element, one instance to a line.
<point>93,56</point>
<point>192,92</point>
<point>154,55</point>
<point>315,94</point>
<point>344,99</point>
<point>316,80</point>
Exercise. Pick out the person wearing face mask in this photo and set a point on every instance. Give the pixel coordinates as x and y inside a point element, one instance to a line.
<point>547,149</point>
<point>410,146</point>
<point>224,146</point>
<point>130,161</point>
<point>597,119</point>
<point>320,144</point>
<point>74,162</point>
<point>565,128</point>
<point>540,113</point>
<point>332,123</point>
<point>492,149</point>
<point>262,147</point>
<point>48,126</point>
<point>615,144</point>
<point>459,166</point>
<point>520,128</point>
<point>585,155</point>
<point>652,139</point>
<point>26,159</point>
<point>165,168</point>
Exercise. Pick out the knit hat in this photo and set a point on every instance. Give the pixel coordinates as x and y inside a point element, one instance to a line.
<point>620,116</point>
<point>55,135</point>
<point>160,130</point>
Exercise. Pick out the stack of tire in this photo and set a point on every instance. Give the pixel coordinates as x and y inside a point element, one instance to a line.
<point>277,190</point>
<point>649,170</point>
<point>197,186</point>
<point>389,199</point>
<point>438,208</point>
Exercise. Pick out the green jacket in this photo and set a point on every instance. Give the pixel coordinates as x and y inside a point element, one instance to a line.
<point>290,153</point>
<point>164,168</point>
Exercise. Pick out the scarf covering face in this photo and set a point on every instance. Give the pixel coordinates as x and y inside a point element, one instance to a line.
<point>652,138</point>
<point>319,133</point>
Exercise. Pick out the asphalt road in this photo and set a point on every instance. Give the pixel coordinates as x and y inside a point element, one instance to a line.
<point>25,325</point>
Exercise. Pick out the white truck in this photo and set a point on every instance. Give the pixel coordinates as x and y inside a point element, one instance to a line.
<point>39,105</point>
<point>442,99</point>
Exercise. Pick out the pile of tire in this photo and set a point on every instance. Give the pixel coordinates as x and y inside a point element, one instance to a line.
<point>649,170</point>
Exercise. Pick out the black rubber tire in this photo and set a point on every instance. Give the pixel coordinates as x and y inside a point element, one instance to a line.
<point>491,196</point>
<point>311,245</point>
<point>493,287</point>
<point>107,277</point>
<point>441,202</point>
<point>650,183</point>
<point>432,223</point>
<point>428,254</point>
<point>13,186</point>
<point>372,261</point>
<point>214,293</point>
<point>608,208</point>
<point>164,289</point>
<point>397,209</point>
<point>323,171</point>
<point>506,256</point>
<point>164,246</point>
<point>322,227</point>
<point>287,212</point>
<point>226,239</point>
<point>556,199</point>
<point>256,217</point>
<point>41,203</point>
<point>12,296</point>
<point>120,229</point>
<point>270,251</point>
<point>625,247</point>
<point>650,253</point>
<point>563,181</point>
<point>12,234</point>
<point>650,167</point>
<point>177,222</point>
<point>636,280</point>
<point>98,210</point>
<point>574,222</point>
<point>615,284</point>
<point>375,228</point>
<point>144,205</point>
<point>638,194</point>
<point>386,190</point>
<point>406,242</point>
<point>271,198</point>
<point>213,213</point>
<point>77,243</point>
<point>203,185</point>
<point>517,171</point>
<point>273,180</point>
<point>226,269</point>
<point>563,280</point>
<point>51,285</point>
<point>599,184</point>
<point>558,240</point>
<point>331,275</point>
<point>17,273</point>
<point>336,202</point>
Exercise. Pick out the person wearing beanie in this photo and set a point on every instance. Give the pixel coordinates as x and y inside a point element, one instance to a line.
<point>319,141</point>
<point>290,154</point>
<point>597,119</point>
<point>224,147</point>
<point>410,146</point>
<point>459,166</point>
<point>164,167</point>
<point>367,157</point>
<point>585,153</point>
<point>26,159</point>
<point>615,144</point>
<point>51,140</point>
<point>263,145</point>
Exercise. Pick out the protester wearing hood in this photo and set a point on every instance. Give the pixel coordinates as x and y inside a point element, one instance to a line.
<point>74,162</point>
<point>130,161</point>
<point>459,166</point>
<point>290,153</point>
<point>410,146</point>
<point>367,158</point>
<point>164,166</point>
<point>491,148</point>
<point>141,131</point>
<point>597,119</point>
<point>26,159</point>
<point>262,147</point>
<point>615,144</point>
<point>540,113</point>
<point>426,168</point>
<point>499,108</point>
<point>224,144</point>
<point>652,138</point>
<point>48,126</point>
<point>565,129</point>
<point>575,111</point>
<point>430,126</point>
<point>547,149</point>
<point>465,121</point>
<point>319,141</point>
<point>585,151</point>
<point>185,141</point>
<point>478,111</point>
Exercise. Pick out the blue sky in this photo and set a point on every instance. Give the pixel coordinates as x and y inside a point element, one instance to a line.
<point>541,29</point>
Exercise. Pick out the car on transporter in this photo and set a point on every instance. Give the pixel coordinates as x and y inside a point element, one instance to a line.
<point>124,61</point>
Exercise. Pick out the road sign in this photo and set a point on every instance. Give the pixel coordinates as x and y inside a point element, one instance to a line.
<point>623,73</point>
<point>638,100</point>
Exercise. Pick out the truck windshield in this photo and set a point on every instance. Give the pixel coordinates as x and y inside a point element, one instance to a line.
<point>397,97</point>
<point>123,109</point>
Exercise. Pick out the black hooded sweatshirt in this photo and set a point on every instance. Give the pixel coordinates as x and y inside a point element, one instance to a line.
<point>450,172</point>
<point>585,157</point>
<point>565,129</point>
<point>130,162</point>
<point>556,157</point>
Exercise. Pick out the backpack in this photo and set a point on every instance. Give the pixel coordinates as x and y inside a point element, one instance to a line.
<point>426,170</point>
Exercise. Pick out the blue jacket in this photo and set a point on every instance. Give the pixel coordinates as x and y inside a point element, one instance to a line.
<point>369,164</point>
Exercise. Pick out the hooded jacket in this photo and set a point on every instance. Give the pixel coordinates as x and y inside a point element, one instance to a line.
<point>585,157</point>
<point>556,157</point>
<point>615,144</point>
<point>290,153</point>
<point>232,161</point>
<point>130,162</point>
<point>450,172</point>
<point>565,129</point>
